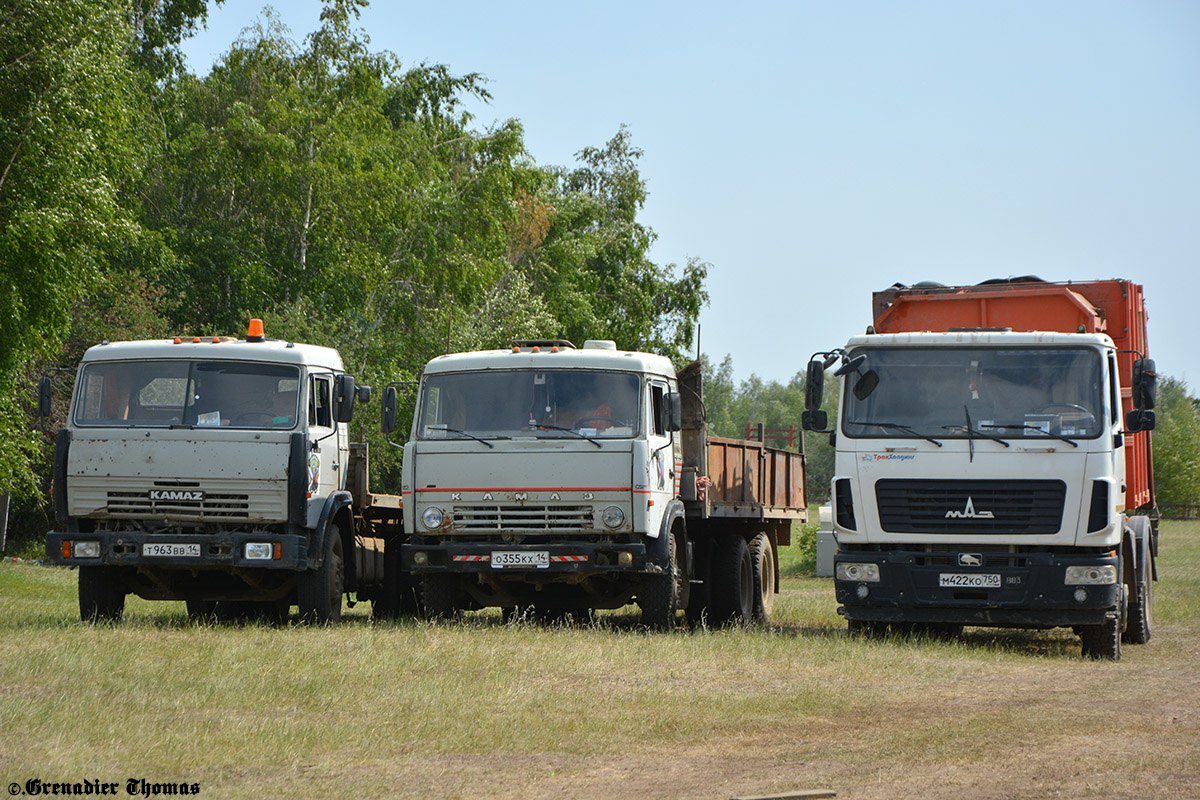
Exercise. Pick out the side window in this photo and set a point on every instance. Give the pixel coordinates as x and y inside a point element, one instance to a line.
<point>1114,395</point>
<point>656,397</point>
<point>319,410</point>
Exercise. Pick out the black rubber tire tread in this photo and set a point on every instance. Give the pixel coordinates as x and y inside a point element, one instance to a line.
<point>387,604</point>
<point>201,610</point>
<point>320,590</point>
<point>659,594</point>
<point>1140,621</point>
<point>731,598</point>
<point>762,555</point>
<point>440,596</point>
<point>699,593</point>
<point>101,594</point>
<point>1102,642</point>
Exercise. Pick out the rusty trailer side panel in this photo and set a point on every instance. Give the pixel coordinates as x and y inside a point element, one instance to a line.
<point>747,479</point>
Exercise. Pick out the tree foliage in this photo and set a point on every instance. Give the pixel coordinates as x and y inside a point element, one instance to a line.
<point>1176,441</point>
<point>344,197</point>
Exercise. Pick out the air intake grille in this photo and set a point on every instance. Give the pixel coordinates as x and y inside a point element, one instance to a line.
<point>983,507</point>
<point>213,508</point>
<point>523,518</point>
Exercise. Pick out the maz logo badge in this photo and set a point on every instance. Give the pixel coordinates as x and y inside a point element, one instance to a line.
<point>969,512</point>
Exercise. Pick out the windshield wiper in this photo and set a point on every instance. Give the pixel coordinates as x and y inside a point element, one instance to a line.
<point>471,436</point>
<point>546,426</point>
<point>898,427</point>
<point>972,432</point>
<point>1040,430</point>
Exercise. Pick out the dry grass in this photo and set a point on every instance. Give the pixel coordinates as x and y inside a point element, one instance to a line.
<point>516,711</point>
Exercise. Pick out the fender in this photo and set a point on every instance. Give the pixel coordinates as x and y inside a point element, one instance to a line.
<point>1136,541</point>
<point>316,541</point>
<point>657,548</point>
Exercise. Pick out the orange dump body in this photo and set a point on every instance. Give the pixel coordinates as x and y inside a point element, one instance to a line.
<point>1114,307</point>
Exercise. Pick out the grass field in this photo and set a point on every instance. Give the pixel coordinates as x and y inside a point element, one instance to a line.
<point>482,709</point>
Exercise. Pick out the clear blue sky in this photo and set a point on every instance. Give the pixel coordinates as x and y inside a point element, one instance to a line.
<point>816,151</point>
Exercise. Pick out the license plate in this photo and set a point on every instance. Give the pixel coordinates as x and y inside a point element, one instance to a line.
<point>161,550</point>
<point>968,580</point>
<point>538,559</point>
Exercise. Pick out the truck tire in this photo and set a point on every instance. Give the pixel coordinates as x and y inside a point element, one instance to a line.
<point>101,594</point>
<point>1141,598</point>
<point>440,596</point>
<point>201,610</point>
<point>320,590</point>
<point>399,593</point>
<point>762,555</point>
<point>867,629</point>
<point>1102,642</point>
<point>731,599</point>
<point>659,594</point>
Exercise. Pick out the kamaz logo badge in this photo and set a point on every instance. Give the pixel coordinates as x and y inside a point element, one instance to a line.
<point>969,512</point>
<point>970,559</point>
<point>185,495</point>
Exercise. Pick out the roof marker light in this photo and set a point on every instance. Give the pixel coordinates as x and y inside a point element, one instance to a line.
<point>537,349</point>
<point>178,340</point>
<point>196,340</point>
<point>255,333</point>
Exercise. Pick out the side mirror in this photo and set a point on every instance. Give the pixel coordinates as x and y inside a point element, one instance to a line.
<point>814,385</point>
<point>853,365</point>
<point>363,393</point>
<point>814,420</point>
<point>1139,420</point>
<point>45,396</point>
<point>343,400</point>
<point>1145,384</point>
<point>387,412</point>
<point>672,411</point>
<point>866,384</point>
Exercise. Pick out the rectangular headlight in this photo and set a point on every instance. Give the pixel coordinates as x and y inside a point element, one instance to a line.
<point>87,549</point>
<point>258,550</point>
<point>849,571</point>
<point>1091,576</point>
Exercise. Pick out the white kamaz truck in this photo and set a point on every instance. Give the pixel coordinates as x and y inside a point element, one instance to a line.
<point>558,479</point>
<point>219,472</point>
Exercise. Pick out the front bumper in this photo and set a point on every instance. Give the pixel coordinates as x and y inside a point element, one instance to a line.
<point>572,558</point>
<point>1032,592</point>
<point>221,551</point>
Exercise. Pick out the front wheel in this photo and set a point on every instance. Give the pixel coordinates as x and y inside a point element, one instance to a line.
<point>101,594</point>
<point>320,590</point>
<point>660,595</point>
<point>1102,642</point>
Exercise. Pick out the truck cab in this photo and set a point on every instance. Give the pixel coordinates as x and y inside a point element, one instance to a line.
<point>207,469</point>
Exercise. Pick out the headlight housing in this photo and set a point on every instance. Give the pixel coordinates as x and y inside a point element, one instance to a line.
<point>433,518</point>
<point>1091,575</point>
<point>613,517</point>
<point>849,571</point>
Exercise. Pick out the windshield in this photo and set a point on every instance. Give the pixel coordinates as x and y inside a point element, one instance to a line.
<point>236,394</point>
<point>552,403</point>
<point>1007,393</point>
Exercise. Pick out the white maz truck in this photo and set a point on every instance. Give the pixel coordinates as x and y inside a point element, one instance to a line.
<point>559,480</point>
<point>993,461</point>
<point>219,472</point>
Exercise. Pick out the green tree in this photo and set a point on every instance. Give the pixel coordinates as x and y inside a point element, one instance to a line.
<point>1176,441</point>
<point>66,94</point>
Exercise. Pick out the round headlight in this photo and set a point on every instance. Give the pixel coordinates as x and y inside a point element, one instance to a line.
<point>433,517</point>
<point>613,517</point>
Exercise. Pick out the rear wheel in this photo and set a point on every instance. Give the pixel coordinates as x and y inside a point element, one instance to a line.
<point>732,596</point>
<point>762,555</point>
<point>101,594</point>
<point>320,590</point>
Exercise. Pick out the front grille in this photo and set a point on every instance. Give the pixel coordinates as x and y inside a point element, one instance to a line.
<point>523,518</point>
<point>213,508</point>
<point>1028,507</point>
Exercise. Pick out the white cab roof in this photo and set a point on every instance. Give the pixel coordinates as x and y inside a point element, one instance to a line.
<point>546,358</point>
<point>975,338</point>
<point>271,350</point>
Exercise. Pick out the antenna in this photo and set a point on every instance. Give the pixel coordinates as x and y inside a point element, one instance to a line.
<point>698,341</point>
